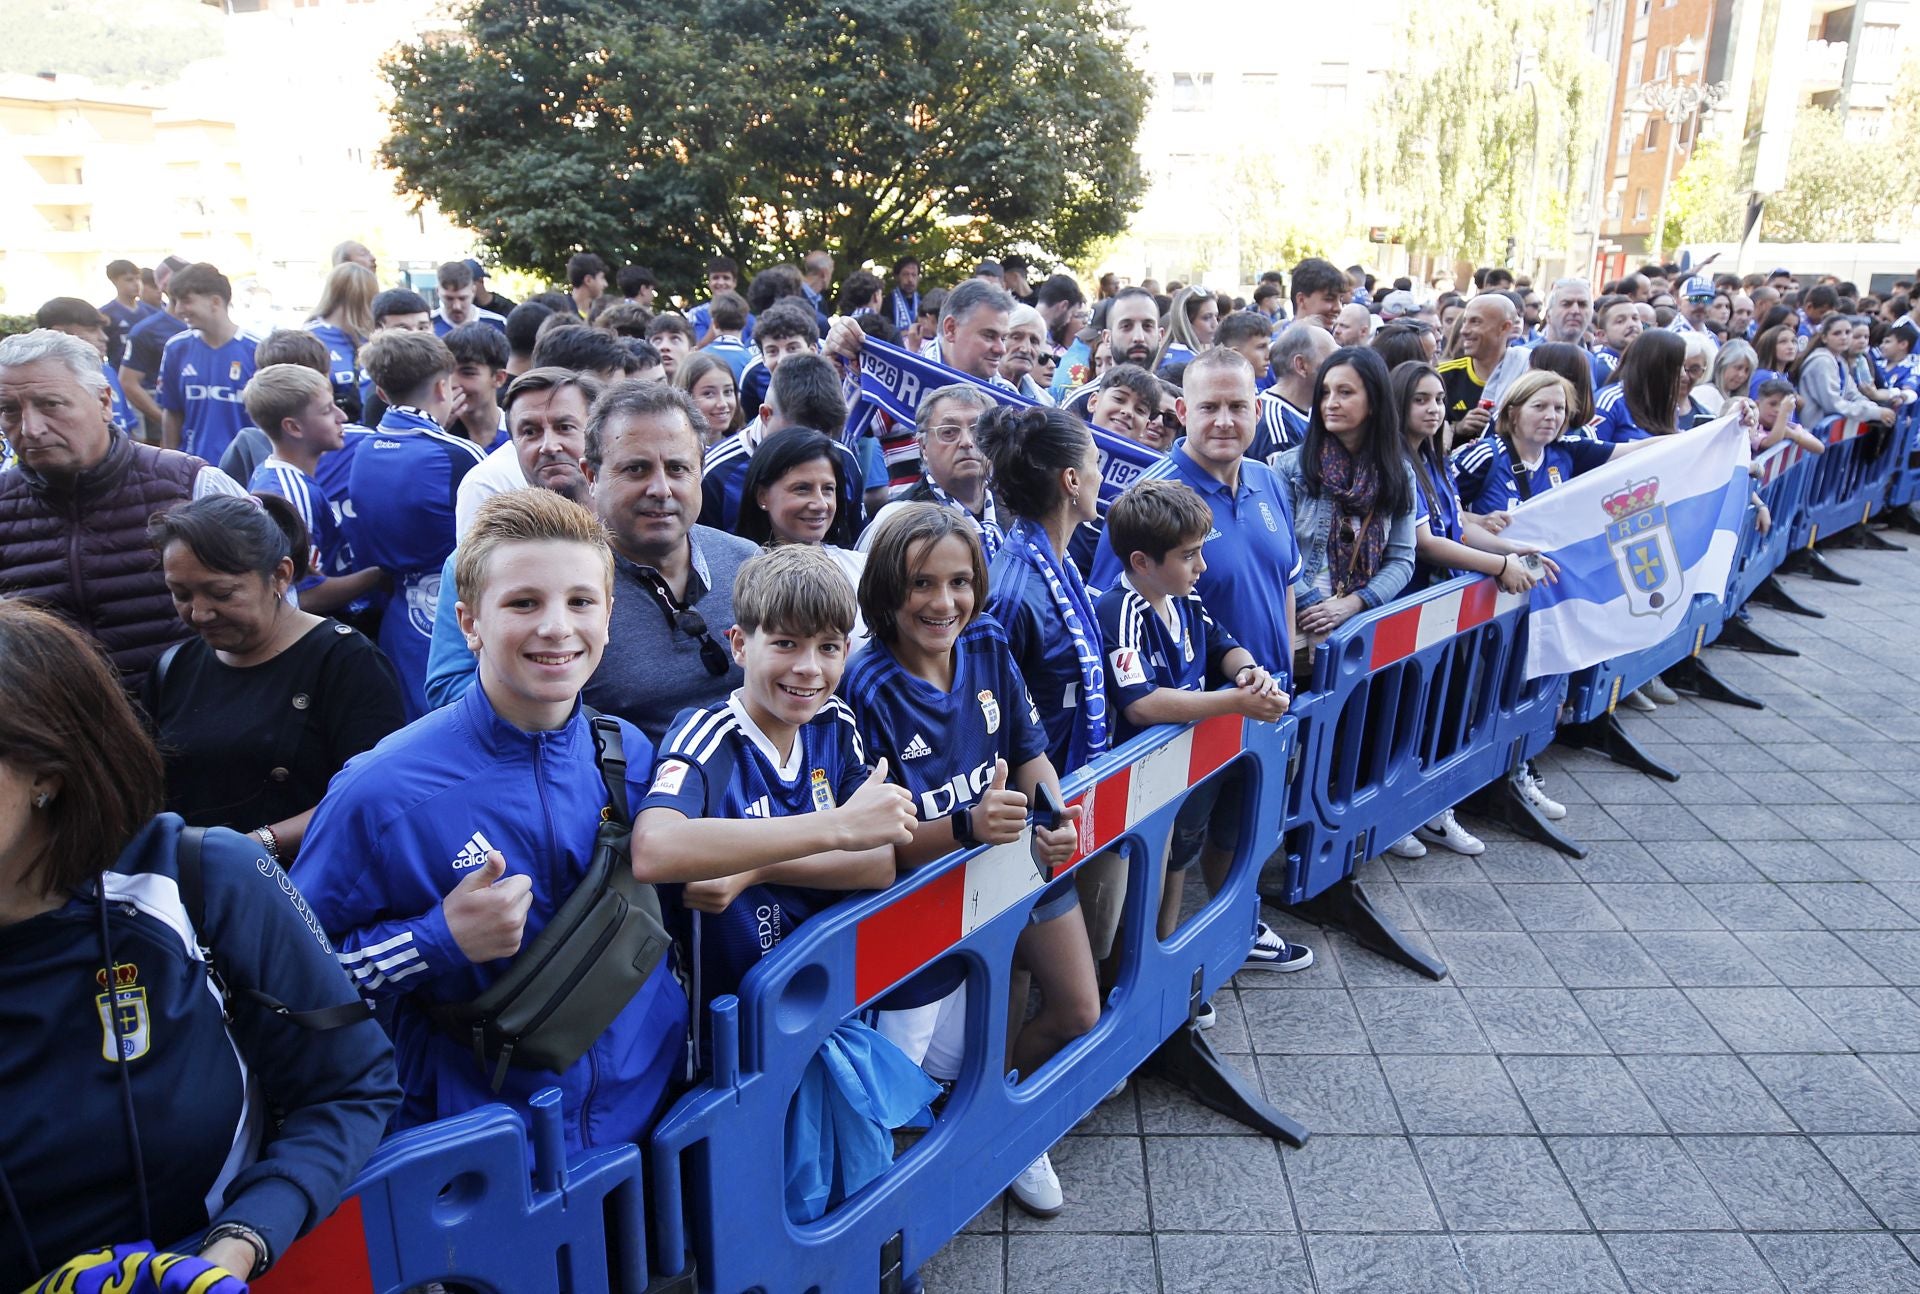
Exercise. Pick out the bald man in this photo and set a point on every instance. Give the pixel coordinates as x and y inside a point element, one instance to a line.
<point>1485,327</point>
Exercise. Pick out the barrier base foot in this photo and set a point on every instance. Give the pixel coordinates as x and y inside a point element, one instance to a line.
<point>1865,537</point>
<point>1604,734</point>
<point>1693,675</point>
<point>1807,561</point>
<point>1346,907</point>
<point>1741,636</point>
<point>1189,1062</point>
<point>1501,802</point>
<point>685,1283</point>
<point>1770,593</point>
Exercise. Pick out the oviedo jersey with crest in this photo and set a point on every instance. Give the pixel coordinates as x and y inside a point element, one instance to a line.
<point>202,383</point>
<point>716,763</point>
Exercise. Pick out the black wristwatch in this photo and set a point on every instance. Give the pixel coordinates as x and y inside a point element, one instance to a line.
<point>262,1257</point>
<point>962,820</point>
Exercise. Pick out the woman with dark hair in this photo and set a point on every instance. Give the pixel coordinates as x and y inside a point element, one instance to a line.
<point>1404,341</point>
<point>792,494</point>
<point>1046,470</point>
<point>1192,320</point>
<point>152,1099</point>
<point>1352,493</point>
<point>1648,390</point>
<point>1824,379</point>
<point>1574,363</point>
<point>257,711</point>
<point>1775,349</point>
<point>1447,542</point>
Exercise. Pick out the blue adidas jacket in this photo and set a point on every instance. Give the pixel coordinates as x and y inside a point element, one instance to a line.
<point>399,828</point>
<point>206,1094</point>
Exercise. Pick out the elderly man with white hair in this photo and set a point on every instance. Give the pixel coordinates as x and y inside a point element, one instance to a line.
<point>75,502</point>
<point>1569,312</point>
<point>1026,342</point>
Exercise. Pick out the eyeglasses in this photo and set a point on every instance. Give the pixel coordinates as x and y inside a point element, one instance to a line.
<point>1166,418</point>
<point>712,654</point>
<point>948,433</point>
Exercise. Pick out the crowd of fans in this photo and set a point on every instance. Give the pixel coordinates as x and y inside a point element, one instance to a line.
<point>359,593</point>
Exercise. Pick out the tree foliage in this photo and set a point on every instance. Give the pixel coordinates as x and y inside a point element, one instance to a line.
<point>1452,154</point>
<point>666,131</point>
<point>1703,204</point>
<point>107,41</point>
<point>1842,190</point>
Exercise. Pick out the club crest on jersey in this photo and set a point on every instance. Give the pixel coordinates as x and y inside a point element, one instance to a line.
<point>1643,550</point>
<point>991,709</point>
<point>233,371</point>
<point>130,1035</point>
<point>822,791</point>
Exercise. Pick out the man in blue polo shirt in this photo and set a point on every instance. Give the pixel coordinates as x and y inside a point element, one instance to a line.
<point>1251,558</point>
<point>204,369</point>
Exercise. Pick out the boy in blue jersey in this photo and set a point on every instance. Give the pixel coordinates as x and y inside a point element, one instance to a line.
<point>125,310</point>
<point>1168,661</point>
<point>294,406</point>
<point>723,275</point>
<point>763,807</point>
<point>457,308</point>
<point>140,369</point>
<point>728,317</point>
<point>439,854</point>
<point>785,329</point>
<point>403,482</point>
<point>480,358</point>
<point>204,369</point>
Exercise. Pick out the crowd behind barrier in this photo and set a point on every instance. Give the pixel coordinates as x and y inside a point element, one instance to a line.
<point>1413,707</point>
<point>1406,711</point>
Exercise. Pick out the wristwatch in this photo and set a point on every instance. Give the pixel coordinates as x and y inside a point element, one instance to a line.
<point>240,1231</point>
<point>962,820</point>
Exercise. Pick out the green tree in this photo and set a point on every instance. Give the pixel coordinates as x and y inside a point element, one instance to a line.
<point>1703,206</point>
<point>666,131</point>
<point>1488,104</point>
<point>1842,190</point>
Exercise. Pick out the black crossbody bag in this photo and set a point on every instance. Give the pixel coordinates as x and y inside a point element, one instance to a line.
<point>562,991</point>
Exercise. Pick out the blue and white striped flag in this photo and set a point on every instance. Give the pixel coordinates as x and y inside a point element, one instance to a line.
<point>893,380</point>
<point>1636,540</point>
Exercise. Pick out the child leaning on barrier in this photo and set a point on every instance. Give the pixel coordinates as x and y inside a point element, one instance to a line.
<point>1164,653</point>
<point>763,810</point>
<point>938,694</point>
<point>1774,422</point>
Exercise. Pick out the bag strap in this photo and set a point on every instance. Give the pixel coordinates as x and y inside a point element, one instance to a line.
<point>160,668</point>
<point>189,858</point>
<point>1522,474</point>
<point>610,754</point>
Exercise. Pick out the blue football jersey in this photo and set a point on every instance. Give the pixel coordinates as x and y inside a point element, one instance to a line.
<point>327,545</point>
<point>146,345</point>
<point>124,417</point>
<point>402,484</point>
<point>343,363</point>
<point>1145,653</point>
<point>941,745</point>
<point>1488,483</point>
<point>202,383</point>
<point>716,763</point>
<point>1280,428</point>
<point>1042,648</point>
<point>120,322</point>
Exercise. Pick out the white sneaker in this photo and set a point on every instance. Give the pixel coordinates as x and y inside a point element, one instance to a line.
<point>1530,788</point>
<point>1207,1016</point>
<point>1407,847</point>
<point>1446,832</point>
<point>1657,689</point>
<point>1037,1189</point>
<point>1639,700</point>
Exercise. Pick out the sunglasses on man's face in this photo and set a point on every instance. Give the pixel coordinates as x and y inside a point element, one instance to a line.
<point>712,654</point>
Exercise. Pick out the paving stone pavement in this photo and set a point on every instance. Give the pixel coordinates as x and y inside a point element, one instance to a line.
<point>1685,1064</point>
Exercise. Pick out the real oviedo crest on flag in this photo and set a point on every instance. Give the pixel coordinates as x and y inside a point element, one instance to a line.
<point>1643,549</point>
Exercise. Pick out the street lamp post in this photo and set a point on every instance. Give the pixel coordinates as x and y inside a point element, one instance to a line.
<point>1676,100</point>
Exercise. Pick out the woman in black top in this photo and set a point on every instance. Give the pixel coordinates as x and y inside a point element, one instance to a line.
<point>258,711</point>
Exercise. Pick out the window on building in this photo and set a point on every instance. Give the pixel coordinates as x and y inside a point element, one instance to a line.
<point>1640,204</point>
<point>1192,91</point>
<point>1653,134</point>
<point>1662,62</point>
<point>1613,205</point>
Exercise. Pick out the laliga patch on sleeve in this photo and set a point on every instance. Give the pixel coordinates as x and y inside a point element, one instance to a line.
<point>1127,670</point>
<point>667,778</point>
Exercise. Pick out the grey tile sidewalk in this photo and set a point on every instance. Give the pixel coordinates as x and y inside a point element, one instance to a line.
<point>1687,1064</point>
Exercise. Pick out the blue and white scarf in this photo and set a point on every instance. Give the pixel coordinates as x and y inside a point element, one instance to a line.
<point>1076,613</point>
<point>992,534</point>
<point>906,309</point>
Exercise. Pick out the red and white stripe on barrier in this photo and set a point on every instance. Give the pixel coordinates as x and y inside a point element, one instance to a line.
<point>918,927</point>
<point>1405,632</point>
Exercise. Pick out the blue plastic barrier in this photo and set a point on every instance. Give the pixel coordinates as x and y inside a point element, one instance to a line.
<point>462,1200</point>
<point>716,1186</point>
<point>1842,492</point>
<point>1903,482</point>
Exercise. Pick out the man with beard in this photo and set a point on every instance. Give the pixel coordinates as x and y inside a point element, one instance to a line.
<point>1132,337</point>
<point>546,411</point>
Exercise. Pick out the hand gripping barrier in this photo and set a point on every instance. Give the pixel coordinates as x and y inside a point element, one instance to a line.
<point>458,1200</point>
<point>1849,486</point>
<point>1415,706</point>
<point>716,1160</point>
